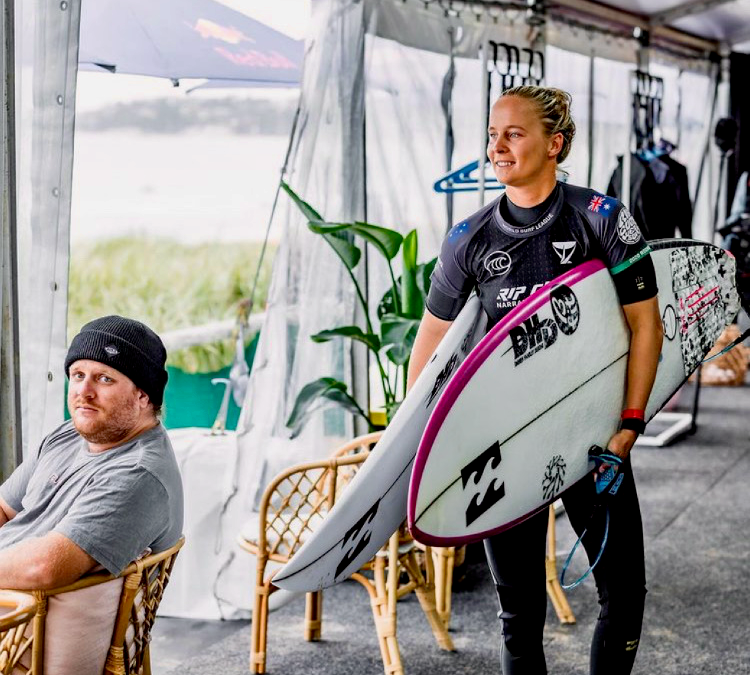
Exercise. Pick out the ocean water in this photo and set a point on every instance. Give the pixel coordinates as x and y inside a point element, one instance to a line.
<point>205,185</point>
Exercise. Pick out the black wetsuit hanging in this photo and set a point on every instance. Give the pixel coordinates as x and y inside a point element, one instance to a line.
<point>659,196</point>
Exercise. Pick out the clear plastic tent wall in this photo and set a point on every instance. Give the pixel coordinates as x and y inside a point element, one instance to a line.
<point>46,67</point>
<point>370,144</point>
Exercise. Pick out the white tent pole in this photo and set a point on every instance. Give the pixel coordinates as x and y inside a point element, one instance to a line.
<point>484,108</point>
<point>10,398</point>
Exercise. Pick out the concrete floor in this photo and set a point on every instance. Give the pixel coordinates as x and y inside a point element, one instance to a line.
<point>694,499</point>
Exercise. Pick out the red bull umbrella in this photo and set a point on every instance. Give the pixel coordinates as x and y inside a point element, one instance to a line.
<point>179,39</point>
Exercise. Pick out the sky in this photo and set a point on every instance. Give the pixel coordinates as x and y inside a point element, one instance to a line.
<point>96,90</point>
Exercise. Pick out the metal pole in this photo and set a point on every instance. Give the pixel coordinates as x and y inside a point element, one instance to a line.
<point>590,174</point>
<point>10,397</point>
<point>485,112</point>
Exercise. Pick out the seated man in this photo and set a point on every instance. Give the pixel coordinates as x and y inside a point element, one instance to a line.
<point>104,486</point>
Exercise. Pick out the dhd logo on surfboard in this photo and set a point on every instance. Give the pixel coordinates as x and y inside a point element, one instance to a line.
<point>536,334</point>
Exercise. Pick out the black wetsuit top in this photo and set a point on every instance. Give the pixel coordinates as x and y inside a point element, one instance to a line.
<point>506,253</point>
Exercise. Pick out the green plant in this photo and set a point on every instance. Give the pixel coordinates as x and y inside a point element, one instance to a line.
<point>167,285</point>
<point>399,313</point>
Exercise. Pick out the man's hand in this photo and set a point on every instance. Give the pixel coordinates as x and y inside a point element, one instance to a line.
<point>622,442</point>
<point>6,512</point>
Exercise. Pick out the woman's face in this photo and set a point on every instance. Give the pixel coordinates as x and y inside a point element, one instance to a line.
<point>519,149</point>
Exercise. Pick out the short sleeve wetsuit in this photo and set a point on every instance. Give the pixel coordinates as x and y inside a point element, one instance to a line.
<point>506,260</point>
<point>505,253</point>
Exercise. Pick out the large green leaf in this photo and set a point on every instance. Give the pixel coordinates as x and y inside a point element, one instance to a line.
<point>349,253</point>
<point>352,332</point>
<point>386,304</point>
<point>412,304</point>
<point>323,227</point>
<point>308,211</point>
<point>321,391</point>
<point>386,241</point>
<point>398,354</point>
<point>395,329</point>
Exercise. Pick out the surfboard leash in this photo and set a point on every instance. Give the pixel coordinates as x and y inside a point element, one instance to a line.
<point>731,345</point>
<point>607,484</point>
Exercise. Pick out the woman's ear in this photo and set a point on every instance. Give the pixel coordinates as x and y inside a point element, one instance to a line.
<point>555,145</point>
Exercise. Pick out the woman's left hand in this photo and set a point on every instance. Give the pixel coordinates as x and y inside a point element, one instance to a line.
<point>621,443</point>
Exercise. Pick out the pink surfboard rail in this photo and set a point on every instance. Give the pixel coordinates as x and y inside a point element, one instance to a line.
<point>455,386</point>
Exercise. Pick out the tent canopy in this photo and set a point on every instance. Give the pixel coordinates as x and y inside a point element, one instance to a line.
<point>186,39</point>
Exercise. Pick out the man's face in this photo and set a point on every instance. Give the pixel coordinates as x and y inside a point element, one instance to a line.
<point>105,404</point>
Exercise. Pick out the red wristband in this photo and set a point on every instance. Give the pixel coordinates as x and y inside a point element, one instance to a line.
<point>633,414</point>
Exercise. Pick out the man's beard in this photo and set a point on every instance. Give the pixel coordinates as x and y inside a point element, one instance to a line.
<point>108,429</point>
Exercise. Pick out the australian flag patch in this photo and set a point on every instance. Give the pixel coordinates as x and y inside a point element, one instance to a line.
<point>602,204</point>
<point>458,230</point>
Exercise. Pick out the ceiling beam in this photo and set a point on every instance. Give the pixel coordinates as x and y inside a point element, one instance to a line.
<point>685,9</point>
<point>603,12</point>
<point>617,16</point>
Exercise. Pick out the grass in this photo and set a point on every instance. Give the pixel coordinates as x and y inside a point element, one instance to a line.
<point>167,285</point>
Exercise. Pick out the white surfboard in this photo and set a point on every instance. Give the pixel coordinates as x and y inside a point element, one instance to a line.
<point>512,429</point>
<point>373,505</point>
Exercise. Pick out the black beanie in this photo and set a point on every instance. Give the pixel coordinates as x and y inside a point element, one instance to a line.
<point>125,345</point>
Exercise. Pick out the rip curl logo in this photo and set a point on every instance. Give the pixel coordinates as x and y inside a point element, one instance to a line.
<point>627,228</point>
<point>554,477</point>
<point>111,350</point>
<point>564,250</point>
<point>498,263</point>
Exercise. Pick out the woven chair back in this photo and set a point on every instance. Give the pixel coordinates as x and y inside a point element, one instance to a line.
<point>298,499</point>
<point>18,609</point>
<point>143,586</point>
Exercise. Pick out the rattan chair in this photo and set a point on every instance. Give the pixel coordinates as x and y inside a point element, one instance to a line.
<point>15,642</point>
<point>554,589</point>
<point>291,506</point>
<point>143,585</point>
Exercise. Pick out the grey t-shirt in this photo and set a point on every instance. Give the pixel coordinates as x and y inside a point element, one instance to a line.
<point>112,504</point>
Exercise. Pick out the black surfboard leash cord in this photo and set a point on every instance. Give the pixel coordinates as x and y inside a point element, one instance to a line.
<point>731,345</point>
<point>607,484</point>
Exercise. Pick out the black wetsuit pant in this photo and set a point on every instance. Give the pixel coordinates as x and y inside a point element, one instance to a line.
<point>516,560</point>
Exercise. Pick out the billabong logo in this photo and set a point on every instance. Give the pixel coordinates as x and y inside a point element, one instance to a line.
<point>627,228</point>
<point>442,378</point>
<point>564,250</point>
<point>471,477</point>
<point>111,350</point>
<point>357,538</point>
<point>498,263</point>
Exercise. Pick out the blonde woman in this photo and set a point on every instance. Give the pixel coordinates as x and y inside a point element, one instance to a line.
<point>535,231</point>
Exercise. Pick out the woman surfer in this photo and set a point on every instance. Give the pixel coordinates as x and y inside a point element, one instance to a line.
<point>538,229</point>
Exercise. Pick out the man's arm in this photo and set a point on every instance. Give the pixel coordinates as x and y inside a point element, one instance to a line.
<point>645,346</point>
<point>6,512</point>
<point>42,563</point>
